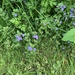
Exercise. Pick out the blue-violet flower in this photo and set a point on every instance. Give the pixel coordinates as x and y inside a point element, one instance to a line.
<point>19,38</point>
<point>35,36</point>
<point>29,48</point>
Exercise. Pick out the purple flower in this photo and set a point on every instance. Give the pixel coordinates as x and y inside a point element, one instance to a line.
<point>71,15</point>
<point>34,49</point>
<point>29,48</point>
<point>72,9</point>
<point>19,38</point>
<point>71,12</point>
<point>35,36</point>
<point>62,7</point>
<point>15,15</point>
<point>23,35</point>
<point>74,23</point>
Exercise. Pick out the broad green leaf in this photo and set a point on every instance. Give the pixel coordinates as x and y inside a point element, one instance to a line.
<point>69,36</point>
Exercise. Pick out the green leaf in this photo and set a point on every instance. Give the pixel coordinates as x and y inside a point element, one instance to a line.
<point>23,29</point>
<point>15,21</point>
<point>69,36</point>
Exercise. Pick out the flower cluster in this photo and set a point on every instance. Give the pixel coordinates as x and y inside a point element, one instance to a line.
<point>19,38</point>
<point>71,12</point>
<point>30,48</point>
<point>62,7</point>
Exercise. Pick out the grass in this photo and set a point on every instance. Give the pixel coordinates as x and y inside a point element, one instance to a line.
<point>49,59</point>
<point>45,61</point>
